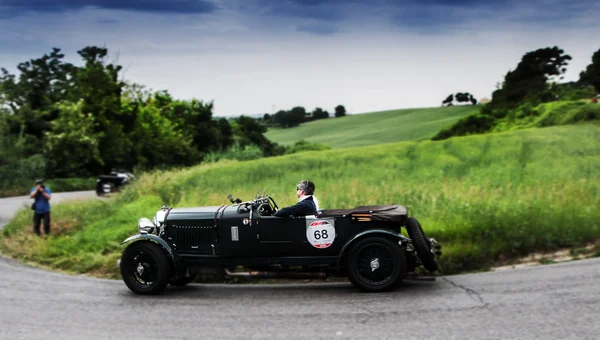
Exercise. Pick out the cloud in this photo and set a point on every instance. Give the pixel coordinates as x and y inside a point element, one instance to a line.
<point>107,21</point>
<point>446,16</point>
<point>11,8</point>
<point>318,28</point>
<point>372,55</point>
<point>320,11</point>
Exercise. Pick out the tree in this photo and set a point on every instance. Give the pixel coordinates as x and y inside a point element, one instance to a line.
<point>591,75</point>
<point>249,131</point>
<point>318,113</point>
<point>97,84</point>
<point>298,115</point>
<point>157,140</point>
<point>460,97</point>
<point>448,101</point>
<point>340,111</point>
<point>72,143</point>
<point>225,133</point>
<point>292,118</point>
<point>30,98</point>
<point>529,81</point>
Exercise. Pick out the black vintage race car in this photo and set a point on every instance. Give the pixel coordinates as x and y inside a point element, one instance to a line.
<point>106,184</point>
<point>364,244</point>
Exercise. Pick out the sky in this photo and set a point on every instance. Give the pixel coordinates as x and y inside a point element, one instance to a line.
<point>261,56</point>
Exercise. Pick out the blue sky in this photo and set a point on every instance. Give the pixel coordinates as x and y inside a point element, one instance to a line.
<point>258,56</point>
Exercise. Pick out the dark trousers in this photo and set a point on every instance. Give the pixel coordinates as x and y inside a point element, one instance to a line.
<point>37,218</point>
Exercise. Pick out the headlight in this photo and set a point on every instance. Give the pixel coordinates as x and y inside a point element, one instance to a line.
<point>159,218</point>
<point>145,226</point>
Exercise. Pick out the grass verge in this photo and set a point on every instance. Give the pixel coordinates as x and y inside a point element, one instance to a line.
<point>486,198</point>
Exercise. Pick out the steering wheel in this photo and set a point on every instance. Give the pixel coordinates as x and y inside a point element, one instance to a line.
<point>265,209</point>
<point>274,204</point>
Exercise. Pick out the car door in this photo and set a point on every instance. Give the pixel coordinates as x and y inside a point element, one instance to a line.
<point>280,236</point>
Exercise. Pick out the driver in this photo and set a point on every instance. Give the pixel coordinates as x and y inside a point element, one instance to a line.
<point>307,203</point>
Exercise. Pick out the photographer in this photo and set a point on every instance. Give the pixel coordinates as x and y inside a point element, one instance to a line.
<point>41,206</point>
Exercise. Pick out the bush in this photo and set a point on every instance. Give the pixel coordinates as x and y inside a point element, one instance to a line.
<point>573,91</point>
<point>582,113</point>
<point>473,124</point>
<point>71,184</point>
<point>302,146</point>
<point>246,153</point>
<point>17,179</point>
<point>527,115</point>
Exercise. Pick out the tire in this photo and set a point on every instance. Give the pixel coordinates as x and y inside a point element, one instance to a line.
<point>145,268</point>
<point>181,281</point>
<point>108,188</point>
<point>99,190</point>
<point>104,188</point>
<point>421,244</point>
<point>376,264</point>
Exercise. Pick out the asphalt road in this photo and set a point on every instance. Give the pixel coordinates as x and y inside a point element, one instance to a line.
<point>560,301</point>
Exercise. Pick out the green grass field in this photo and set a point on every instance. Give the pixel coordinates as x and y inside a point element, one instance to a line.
<point>373,128</point>
<point>486,198</point>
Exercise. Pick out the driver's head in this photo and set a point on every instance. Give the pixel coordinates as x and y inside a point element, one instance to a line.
<point>305,187</point>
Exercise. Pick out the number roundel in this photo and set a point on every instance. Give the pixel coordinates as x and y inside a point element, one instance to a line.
<point>320,234</point>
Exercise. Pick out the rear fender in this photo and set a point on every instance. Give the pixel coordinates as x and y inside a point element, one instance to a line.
<point>402,241</point>
<point>152,238</point>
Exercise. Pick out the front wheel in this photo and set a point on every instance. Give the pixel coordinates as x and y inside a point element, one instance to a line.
<point>376,264</point>
<point>145,268</point>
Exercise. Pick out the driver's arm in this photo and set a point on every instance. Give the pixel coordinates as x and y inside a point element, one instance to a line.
<point>296,210</point>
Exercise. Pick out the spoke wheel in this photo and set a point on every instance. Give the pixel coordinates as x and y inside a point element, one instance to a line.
<point>145,268</point>
<point>376,264</point>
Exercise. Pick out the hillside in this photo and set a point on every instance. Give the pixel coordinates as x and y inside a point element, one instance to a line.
<point>485,198</point>
<point>523,117</point>
<point>373,128</point>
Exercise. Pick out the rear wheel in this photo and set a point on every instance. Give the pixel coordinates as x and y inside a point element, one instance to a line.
<point>421,244</point>
<point>145,268</point>
<point>376,264</point>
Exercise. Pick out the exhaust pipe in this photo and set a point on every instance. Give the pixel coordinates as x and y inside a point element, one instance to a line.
<point>273,275</point>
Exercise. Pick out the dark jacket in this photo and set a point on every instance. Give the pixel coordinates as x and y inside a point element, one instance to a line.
<point>305,207</point>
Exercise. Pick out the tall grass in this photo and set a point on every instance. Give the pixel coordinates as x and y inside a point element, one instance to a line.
<point>485,198</point>
<point>373,128</point>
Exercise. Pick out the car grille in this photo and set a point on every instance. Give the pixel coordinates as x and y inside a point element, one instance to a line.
<point>194,238</point>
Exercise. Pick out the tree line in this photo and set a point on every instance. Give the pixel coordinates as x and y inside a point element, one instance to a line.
<point>58,120</point>
<point>298,115</point>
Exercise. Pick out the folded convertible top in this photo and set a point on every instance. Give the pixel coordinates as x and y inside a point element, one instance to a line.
<point>389,213</point>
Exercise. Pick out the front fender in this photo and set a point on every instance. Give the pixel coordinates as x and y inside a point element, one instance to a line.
<point>384,232</point>
<point>152,238</point>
